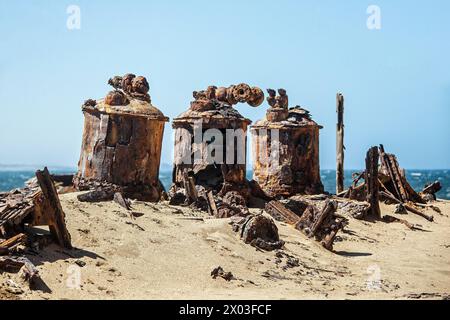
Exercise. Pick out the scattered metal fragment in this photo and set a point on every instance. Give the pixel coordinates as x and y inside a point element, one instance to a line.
<point>22,265</point>
<point>219,272</point>
<point>259,231</point>
<point>429,191</point>
<point>400,209</point>
<point>318,220</point>
<point>80,263</point>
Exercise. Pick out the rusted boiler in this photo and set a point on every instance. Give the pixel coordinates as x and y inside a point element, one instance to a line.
<point>122,140</point>
<point>285,147</point>
<point>211,138</point>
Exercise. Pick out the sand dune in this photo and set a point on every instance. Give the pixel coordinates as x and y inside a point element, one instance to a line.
<point>169,252</point>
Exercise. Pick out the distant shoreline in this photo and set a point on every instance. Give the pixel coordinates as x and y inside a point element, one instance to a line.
<point>14,176</point>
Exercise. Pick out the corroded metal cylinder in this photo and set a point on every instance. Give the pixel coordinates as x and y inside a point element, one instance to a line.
<point>191,138</point>
<point>285,153</point>
<point>122,145</point>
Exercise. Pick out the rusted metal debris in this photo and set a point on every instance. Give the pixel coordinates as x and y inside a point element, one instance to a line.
<point>219,187</point>
<point>429,191</point>
<point>13,244</point>
<point>37,204</point>
<point>219,272</point>
<point>130,87</point>
<point>122,141</point>
<point>21,265</point>
<point>294,169</point>
<point>318,221</point>
<point>209,99</point>
<point>411,226</point>
<point>372,183</point>
<point>390,181</point>
<point>258,230</point>
<point>219,205</point>
<point>406,206</point>
<point>396,182</point>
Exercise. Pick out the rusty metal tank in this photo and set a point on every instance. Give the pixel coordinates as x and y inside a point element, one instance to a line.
<point>285,151</point>
<point>122,140</point>
<point>213,109</point>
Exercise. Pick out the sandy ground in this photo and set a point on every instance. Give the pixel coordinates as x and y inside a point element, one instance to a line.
<point>169,253</point>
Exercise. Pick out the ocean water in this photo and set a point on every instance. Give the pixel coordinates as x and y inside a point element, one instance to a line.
<point>11,178</point>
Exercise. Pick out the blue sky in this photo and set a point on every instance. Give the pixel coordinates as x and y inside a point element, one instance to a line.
<point>396,80</point>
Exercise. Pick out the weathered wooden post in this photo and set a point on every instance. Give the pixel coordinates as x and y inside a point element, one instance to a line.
<point>372,182</point>
<point>340,143</point>
<point>55,221</point>
<point>122,140</point>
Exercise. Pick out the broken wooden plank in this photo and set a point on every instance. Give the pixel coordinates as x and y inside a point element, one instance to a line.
<point>280,213</point>
<point>100,195</point>
<point>57,223</point>
<point>432,188</point>
<point>408,207</point>
<point>389,161</point>
<point>212,203</point>
<point>411,226</point>
<point>372,183</point>
<point>321,223</point>
<point>401,188</point>
<point>328,209</point>
<point>189,186</point>
<point>18,239</point>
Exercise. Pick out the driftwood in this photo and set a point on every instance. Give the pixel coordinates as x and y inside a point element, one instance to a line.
<point>407,207</point>
<point>372,184</point>
<point>340,143</point>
